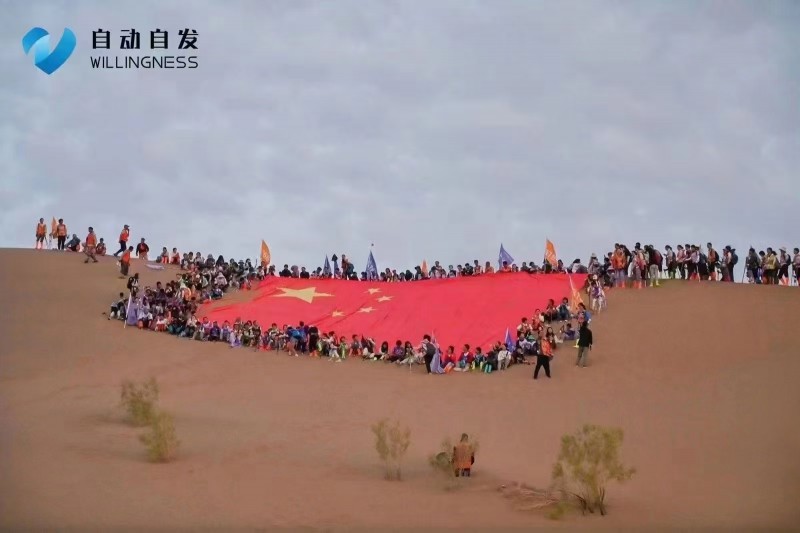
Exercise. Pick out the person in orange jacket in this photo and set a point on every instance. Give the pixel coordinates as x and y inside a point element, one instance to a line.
<point>41,233</point>
<point>61,234</point>
<point>124,235</point>
<point>90,245</point>
<point>125,262</point>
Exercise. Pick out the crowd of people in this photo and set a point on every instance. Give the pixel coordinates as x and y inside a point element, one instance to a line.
<point>172,307</point>
<point>622,267</point>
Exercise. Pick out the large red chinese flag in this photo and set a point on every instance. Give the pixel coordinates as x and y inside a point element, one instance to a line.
<point>474,310</point>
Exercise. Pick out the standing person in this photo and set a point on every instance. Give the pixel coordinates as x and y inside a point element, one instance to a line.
<point>90,246</point>
<point>783,267</point>
<point>61,234</point>
<point>463,457</point>
<point>124,235</point>
<point>796,265</point>
<point>125,262</point>
<point>672,264</point>
<point>752,264</point>
<point>620,265</point>
<point>712,261</point>
<point>543,357</point>
<point>141,250</point>
<point>429,351</point>
<point>584,344</point>
<point>681,259</point>
<point>41,233</point>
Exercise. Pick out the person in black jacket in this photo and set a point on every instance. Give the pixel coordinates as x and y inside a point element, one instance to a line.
<point>584,344</point>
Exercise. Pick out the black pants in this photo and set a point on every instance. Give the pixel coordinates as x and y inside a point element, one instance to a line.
<point>428,361</point>
<point>62,241</point>
<point>122,248</point>
<point>542,361</point>
<point>463,472</point>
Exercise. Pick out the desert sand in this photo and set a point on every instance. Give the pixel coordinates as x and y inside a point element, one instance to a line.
<point>702,377</point>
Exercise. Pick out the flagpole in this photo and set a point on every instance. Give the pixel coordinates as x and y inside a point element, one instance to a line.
<point>127,310</point>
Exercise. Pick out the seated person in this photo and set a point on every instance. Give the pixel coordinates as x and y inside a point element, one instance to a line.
<point>397,352</point>
<point>567,333</point>
<point>74,244</point>
<point>215,333</point>
<point>100,249</point>
<point>563,310</point>
<point>176,257</point>
<point>118,308</point>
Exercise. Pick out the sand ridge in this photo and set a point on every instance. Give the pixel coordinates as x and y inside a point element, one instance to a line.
<point>700,379</point>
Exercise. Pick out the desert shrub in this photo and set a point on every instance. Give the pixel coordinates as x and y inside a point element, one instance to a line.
<point>161,442</point>
<point>391,442</point>
<point>139,401</point>
<point>587,462</point>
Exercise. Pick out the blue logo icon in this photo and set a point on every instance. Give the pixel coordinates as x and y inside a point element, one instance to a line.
<point>39,40</point>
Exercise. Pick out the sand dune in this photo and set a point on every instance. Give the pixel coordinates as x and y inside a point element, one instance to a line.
<point>702,378</point>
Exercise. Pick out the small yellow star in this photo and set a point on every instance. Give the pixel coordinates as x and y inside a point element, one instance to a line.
<point>337,313</point>
<point>307,295</point>
<point>373,291</point>
<point>385,298</point>
<point>366,310</point>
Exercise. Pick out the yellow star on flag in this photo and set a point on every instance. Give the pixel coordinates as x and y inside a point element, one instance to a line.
<point>337,313</point>
<point>373,291</point>
<point>384,298</point>
<point>307,295</point>
<point>366,310</point>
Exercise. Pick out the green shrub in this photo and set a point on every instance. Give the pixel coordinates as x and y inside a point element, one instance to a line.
<point>161,441</point>
<point>391,442</point>
<point>139,401</point>
<point>588,461</point>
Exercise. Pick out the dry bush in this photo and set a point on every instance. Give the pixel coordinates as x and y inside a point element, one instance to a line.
<point>139,401</point>
<point>526,498</point>
<point>588,461</point>
<point>161,441</point>
<point>391,442</point>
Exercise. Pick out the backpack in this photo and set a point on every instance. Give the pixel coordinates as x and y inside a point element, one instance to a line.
<point>734,259</point>
<point>658,258</point>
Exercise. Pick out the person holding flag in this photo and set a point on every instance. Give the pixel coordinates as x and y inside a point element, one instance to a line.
<point>326,269</point>
<point>504,260</point>
<point>372,268</point>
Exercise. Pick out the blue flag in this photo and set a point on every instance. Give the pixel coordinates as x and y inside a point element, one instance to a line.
<point>509,341</point>
<point>372,267</point>
<point>326,269</point>
<point>504,256</point>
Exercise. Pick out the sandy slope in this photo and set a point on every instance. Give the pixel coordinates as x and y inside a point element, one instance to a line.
<point>703,379</point>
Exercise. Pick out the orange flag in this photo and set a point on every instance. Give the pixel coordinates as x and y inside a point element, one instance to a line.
<point>265,255</point>
<point>576,297</point>
<point>53,227</point>
<point>425,268</point>
<point>550,253</point>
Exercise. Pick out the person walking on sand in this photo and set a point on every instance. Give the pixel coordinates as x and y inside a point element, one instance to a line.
<point>125,262</point>
<point>123,240</point>
<point>584,344</point>
<point>463,457</point>
<point>90,246</point>
<point>543,357</point>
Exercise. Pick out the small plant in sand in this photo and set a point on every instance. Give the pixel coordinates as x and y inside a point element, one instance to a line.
<point>588,461</point>
<point>442,461</point>
<point>161,441</point>
<point>391,442</point>
<point>139,401</point>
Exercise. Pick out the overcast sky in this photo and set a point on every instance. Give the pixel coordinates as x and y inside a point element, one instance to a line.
<point>433,129</point>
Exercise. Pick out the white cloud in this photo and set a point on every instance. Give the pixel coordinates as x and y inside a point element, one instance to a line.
<point>434,131</point>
